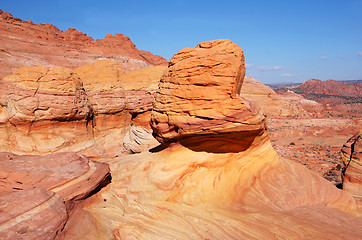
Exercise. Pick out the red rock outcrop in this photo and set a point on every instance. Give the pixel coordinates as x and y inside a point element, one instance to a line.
<point>31,214</point>
<point>195,187</point>
<point>330,87</point>
<point>71,176</point>
<point>340,98</point>
<point>352,171</point>
<point>44,93</point>
<point>24,43</point>
<point>37,192</point>
<point>186,104</point>
<point>88,110</point>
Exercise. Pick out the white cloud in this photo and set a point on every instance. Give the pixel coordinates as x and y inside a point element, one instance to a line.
<point>265,68</point>
<point>359,54</point>
<point>323,57</point>
<point>287,75</point>
<point>249,65</point>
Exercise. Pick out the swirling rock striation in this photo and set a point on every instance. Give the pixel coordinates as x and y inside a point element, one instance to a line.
<point>213,178</point>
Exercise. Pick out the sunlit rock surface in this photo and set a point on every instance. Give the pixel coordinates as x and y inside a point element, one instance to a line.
<point>217,179</point>
<point>352,173</point>
<point>31,214</point>
<point>89,110</point>
<point>277,105</point>
<point>38,192</point>
<point>23,43</point>
<point>198,95</point>
<point>67,174</point>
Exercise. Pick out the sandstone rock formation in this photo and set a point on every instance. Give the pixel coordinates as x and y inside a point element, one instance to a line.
<point>24,43</point>
<point>194,186</point>
<point>352,172</point>
<point>71,176</point>
<point>31,214</point>
<point>187,104</point>
<point>44,93</point>
<point>37,192</point>
<point>89,110</point>
<point>305,131</point>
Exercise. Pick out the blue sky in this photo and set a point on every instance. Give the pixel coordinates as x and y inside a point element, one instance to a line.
<point>283,41</point>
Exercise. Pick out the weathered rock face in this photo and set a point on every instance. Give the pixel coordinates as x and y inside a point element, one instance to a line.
<point>101,75</point>
<point>88,110</point>
<point>352,171</point>
<point>198,187</point>
<point>24,43</point>
<point>31,214</point>
<point>38,191</point>
<point>198,95</point>
<point>71,176</point>
<point>44,93</point>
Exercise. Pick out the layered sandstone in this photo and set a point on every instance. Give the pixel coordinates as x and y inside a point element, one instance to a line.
<point>352,159</point>
<point>89,110</point>
<point>71,176</point>
<point>31,214</point>
<point>44,93</point>
<point>24,43</point>
<point>198,95</point>
<point>214,178</point>
<point>37,192</point>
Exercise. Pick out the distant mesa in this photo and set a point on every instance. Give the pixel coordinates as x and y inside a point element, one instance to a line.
<point>331,87</point>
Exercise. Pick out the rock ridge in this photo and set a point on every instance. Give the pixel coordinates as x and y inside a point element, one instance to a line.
<point>24,43</point>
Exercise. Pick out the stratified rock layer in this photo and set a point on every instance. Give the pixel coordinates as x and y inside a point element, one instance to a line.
<point>213,178</point>
<point>352,159</point>
<point>88,110</point>
<point>23,43</point>
<point>44,93</point>
<point>31,214</point>
<point>198,95</point>
<point>182,194</point>
<point>71,176</point>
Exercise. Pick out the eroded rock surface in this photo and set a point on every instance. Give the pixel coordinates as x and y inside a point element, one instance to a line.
<point>31,214</point>
<point>88,110</point>
<point>24,43</point>
<point>70,175</point>
<point>352,171</point>
<point>198,95</point>
<point>189,189</point>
